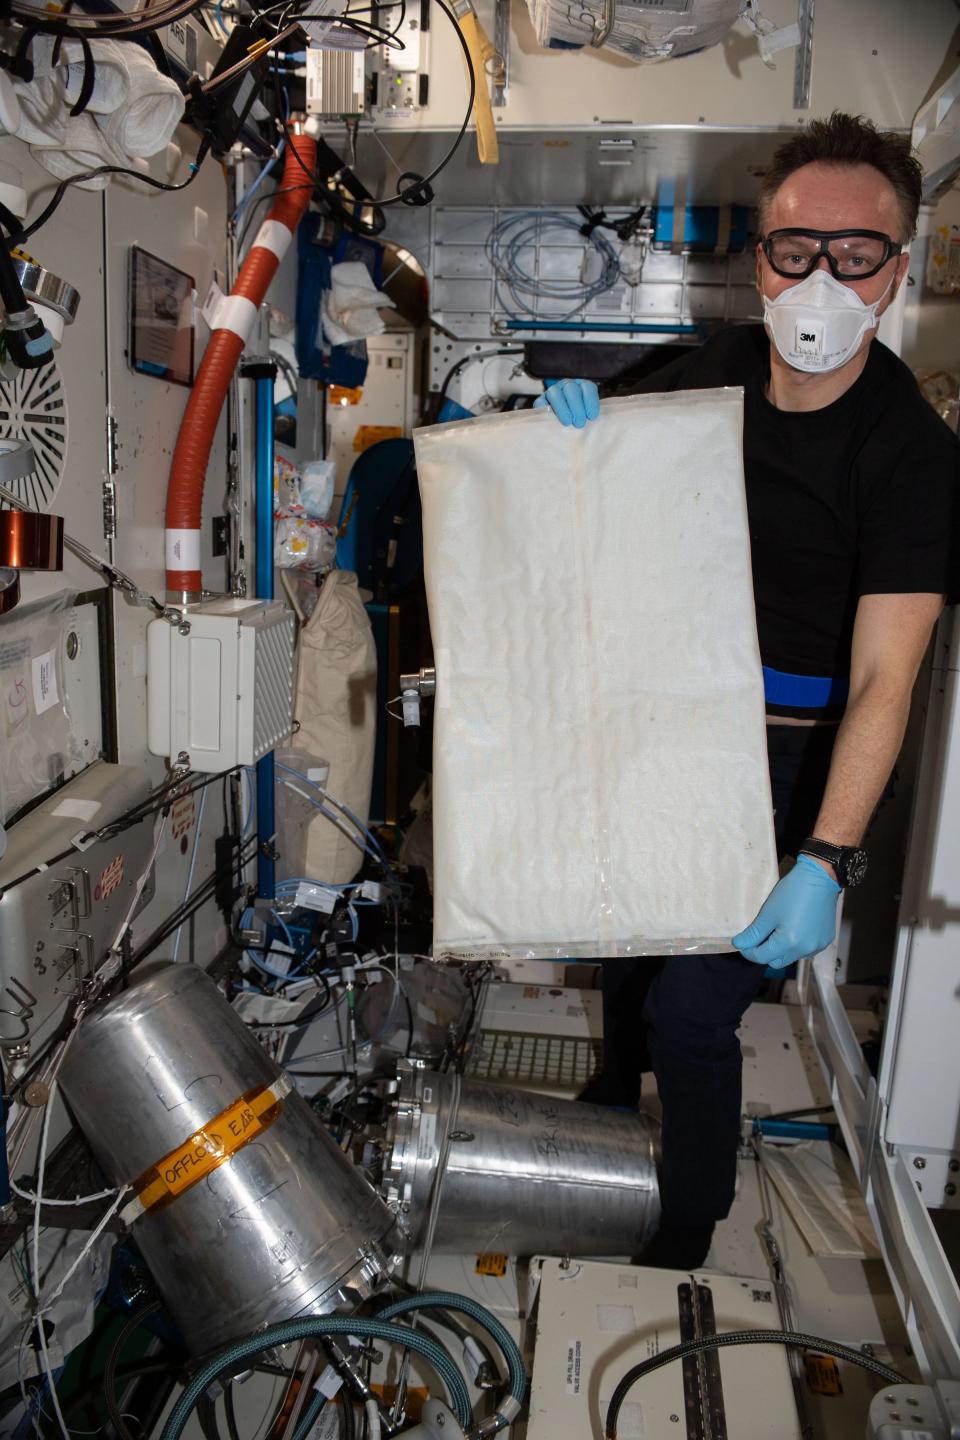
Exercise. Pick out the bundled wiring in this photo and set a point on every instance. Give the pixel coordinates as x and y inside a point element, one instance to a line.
<point>196,901</point>
<point>113,25</point>
<point>743,1337</point>
<point>625,227</point>
<point>35,1271</point>
<point>517,234</point>
<point>418,191</point>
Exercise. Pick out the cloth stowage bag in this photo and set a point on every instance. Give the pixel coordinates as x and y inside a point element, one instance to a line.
<point>336,706</point>
<point>600,769</point>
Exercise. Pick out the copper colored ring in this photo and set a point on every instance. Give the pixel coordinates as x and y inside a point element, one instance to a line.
<point>30,541</point>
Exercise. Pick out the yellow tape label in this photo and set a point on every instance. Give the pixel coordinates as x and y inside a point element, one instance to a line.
<point>823,1374</point>
<point>208,1148</point>
<point>491,1265</point>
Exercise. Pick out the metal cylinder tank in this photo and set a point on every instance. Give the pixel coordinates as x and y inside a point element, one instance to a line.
<point>248,1211</point>
<point>525,1174</point>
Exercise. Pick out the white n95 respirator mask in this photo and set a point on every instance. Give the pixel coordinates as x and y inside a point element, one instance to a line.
<point>819,324</point>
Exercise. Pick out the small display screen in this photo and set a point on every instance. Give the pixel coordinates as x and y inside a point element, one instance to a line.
<point>161,318</point>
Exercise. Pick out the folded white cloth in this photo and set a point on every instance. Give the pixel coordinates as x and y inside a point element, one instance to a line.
<point>132,112</point>
<point>43,114</point>
<point>351,306</point>
<point>9,106</point>
<point>144,123</point>
<point>111,74</point>
<point>83,147</point>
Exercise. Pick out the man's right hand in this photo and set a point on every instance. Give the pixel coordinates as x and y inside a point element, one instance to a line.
<point>574,402</point>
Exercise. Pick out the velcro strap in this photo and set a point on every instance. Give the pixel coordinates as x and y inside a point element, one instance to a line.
<point>805,692</point>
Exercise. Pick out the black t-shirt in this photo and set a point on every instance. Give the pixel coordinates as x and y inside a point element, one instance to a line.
<point>858,498</point>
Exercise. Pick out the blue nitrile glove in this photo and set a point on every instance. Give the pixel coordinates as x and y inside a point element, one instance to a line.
<point>574,402</point>
<point>798,918</point>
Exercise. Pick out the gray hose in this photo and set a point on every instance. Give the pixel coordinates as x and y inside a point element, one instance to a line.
<point>743,1337</point>
<point>447,1300</point>
<point>320,1325</point>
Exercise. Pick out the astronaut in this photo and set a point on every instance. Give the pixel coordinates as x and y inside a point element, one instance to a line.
<point>851,485</point>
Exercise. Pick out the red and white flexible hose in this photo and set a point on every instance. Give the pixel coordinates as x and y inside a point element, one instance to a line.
<point>233,325</point>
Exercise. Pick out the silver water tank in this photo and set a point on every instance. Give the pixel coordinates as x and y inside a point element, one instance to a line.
<point>526,1174</point>
<point>252,1214</point>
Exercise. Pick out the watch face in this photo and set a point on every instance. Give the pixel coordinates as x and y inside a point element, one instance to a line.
<point>853,866</point>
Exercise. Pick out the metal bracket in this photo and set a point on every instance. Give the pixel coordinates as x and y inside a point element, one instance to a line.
<point>500,75</point>
<point>602,27</point>
<point>413,688</point>
<point>26,1004</point>
<point>803,66</point>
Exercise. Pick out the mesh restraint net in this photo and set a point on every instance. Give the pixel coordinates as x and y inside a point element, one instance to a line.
<point>600,770</point>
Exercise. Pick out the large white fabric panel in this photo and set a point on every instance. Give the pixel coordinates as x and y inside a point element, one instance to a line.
<point>600,771</point>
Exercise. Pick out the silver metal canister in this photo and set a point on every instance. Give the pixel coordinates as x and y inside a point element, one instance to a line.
<point>525,1174</point>
<point>252,1214</point>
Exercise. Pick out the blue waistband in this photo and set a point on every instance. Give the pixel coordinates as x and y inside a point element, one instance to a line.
<point>805,692</point>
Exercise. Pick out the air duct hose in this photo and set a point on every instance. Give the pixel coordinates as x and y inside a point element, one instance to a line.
<point>232,325</point>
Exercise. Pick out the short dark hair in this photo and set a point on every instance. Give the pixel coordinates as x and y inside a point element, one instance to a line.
<point>850,140</point>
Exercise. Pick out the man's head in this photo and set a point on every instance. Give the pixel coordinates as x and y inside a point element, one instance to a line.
<point>840,174</point>
<point>844,142</point>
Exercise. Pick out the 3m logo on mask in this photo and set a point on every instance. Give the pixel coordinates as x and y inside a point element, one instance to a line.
<point>809,339</point>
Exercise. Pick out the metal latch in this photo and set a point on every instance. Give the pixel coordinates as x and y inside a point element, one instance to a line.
<point>413,688</point>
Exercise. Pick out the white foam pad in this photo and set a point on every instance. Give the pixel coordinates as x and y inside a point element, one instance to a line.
<point>600,769</point>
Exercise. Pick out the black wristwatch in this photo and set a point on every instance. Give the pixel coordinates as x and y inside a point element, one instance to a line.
<point>849,863</point>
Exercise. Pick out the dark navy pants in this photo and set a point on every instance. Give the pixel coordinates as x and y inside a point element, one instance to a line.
<point>691,1006</point>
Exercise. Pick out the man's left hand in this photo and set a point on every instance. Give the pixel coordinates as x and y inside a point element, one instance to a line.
<point>798,918</point>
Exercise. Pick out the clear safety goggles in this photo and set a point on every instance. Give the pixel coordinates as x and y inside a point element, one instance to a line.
<point>851,254</point>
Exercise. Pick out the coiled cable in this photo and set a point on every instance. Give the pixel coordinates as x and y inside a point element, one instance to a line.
<point>515,237</point>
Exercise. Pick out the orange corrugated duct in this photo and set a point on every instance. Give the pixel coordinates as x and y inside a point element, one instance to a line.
<point>233,325</point>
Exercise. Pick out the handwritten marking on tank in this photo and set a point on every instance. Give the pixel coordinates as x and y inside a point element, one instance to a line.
<point>507,1105</point>
<point>548,1143</point>
<point>246,1212</point>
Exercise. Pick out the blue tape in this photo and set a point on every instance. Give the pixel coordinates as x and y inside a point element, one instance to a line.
<point>806,692</point>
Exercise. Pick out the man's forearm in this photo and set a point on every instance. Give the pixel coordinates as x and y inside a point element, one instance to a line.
<point>867,745</point>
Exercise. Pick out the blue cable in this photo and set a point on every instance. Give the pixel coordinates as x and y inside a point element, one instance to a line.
<point>248,195</point>
<point>288,769</point>
<point>334,820</point>
<point>286,933</point>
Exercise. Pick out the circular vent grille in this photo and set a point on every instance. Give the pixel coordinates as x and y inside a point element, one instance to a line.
<point>33,408</point>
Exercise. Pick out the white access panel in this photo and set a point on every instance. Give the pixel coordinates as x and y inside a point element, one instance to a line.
<point>596,1320</point>
<point>920,1076</point>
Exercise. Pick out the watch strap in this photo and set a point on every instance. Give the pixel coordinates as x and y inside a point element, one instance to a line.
<point>823,850</point>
